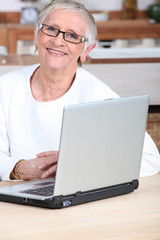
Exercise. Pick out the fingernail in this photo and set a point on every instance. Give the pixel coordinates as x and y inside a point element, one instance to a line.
<point>44,175</point>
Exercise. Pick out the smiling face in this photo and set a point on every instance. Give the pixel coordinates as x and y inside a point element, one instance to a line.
<point>55,52</point>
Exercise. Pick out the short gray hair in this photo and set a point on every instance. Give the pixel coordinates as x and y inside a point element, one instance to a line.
<point>72,6</point>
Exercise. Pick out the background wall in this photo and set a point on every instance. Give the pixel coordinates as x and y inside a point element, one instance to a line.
<point>112,4</point>
<point>16,5</point>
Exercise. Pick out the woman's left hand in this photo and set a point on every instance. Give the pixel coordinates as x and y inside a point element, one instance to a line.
<point>48,166</point>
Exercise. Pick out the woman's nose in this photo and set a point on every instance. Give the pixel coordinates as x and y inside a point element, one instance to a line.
<point>59,39</point>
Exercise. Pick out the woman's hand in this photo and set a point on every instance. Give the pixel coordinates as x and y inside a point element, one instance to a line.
<point>41,167</point>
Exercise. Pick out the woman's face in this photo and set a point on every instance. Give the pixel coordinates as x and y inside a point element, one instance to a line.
<point>55,52</point>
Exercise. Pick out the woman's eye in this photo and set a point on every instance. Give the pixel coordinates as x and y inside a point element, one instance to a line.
<point>72,36</point>
<point>51,29</point>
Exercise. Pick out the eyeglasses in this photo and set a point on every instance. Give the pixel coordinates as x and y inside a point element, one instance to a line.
<point>67,36</point>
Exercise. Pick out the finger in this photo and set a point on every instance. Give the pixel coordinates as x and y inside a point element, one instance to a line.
<point>49,161</point>
<point>27,177</point>
<point>46,154</point>
<point>30,175</point>
<point>50,172</point>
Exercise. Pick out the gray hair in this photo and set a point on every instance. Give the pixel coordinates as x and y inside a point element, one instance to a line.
<point>72,6</point>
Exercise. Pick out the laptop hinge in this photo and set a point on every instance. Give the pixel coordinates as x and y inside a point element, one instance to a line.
<point>78,193</point>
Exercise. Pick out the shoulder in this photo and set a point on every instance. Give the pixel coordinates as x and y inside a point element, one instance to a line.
<point>93,86</point>
<point>86,76</point>
<point>17,76</point>
<point>14,85</point>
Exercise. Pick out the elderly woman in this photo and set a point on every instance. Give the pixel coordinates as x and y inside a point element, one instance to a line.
<point>32,99</point>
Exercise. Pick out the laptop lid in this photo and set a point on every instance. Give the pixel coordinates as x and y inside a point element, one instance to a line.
<point>101,144</point>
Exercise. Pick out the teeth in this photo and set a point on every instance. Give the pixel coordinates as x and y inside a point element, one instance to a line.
<point>57,52</point>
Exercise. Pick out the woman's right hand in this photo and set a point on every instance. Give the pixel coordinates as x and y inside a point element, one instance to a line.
<point>41,167</point>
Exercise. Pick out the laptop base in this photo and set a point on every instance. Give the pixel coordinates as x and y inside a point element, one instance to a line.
<point>75,199</point>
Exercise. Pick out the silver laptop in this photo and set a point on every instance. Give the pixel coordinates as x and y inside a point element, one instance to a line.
<point>99,157</point>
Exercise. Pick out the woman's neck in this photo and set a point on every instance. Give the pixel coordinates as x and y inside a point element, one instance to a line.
<point>50,85</point>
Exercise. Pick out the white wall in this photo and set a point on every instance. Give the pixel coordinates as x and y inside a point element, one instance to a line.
<point>16,5</point>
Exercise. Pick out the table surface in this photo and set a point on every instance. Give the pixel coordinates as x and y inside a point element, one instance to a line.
<point>132,216</point>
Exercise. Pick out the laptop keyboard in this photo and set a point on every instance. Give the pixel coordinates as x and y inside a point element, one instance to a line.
<point>41,191</point>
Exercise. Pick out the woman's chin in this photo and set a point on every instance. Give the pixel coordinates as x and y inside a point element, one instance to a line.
<point>56,64</point>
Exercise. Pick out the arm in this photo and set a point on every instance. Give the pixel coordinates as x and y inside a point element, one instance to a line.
<point>43,166</point>
<point>8,104</point>
<point>150,158</point>
<point>6,161</point>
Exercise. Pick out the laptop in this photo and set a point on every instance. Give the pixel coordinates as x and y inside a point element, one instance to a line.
<point>99,156</point>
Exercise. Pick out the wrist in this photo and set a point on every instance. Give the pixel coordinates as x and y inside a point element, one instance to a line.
<point>14,175</point>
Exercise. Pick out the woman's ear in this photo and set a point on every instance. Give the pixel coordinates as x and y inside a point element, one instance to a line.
<point>84,55</point>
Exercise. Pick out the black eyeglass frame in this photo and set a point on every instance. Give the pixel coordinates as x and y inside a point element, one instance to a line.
<point>83,39</point>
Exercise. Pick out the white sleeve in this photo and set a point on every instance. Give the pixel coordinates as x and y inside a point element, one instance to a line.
<point>6,161</point>
<point>150,164</point>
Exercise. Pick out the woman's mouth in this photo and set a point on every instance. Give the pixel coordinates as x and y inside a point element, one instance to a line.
<point>56,52</point>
